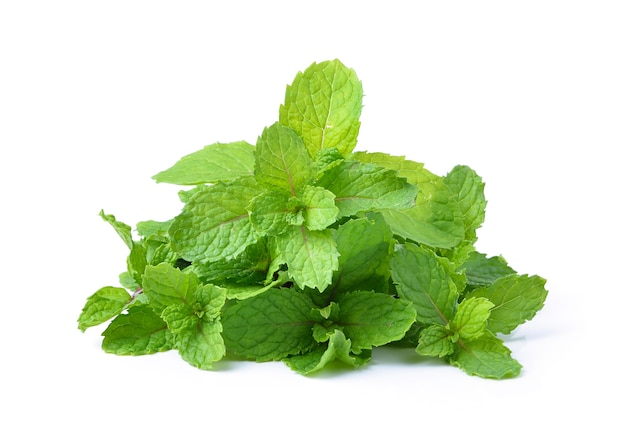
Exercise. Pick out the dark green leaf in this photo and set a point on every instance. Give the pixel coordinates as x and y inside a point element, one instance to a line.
<point>269,326</point>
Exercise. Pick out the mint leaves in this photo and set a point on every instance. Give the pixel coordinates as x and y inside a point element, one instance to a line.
<point>300,249</point>
<point>323,106</point>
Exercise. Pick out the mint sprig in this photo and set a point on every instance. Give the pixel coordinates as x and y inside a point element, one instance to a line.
<point>299,248</point>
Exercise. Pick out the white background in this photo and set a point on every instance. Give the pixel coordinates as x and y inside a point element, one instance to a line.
<point>96,97</point>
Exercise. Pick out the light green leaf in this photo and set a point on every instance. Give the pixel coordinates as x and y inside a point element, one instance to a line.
<point>364,247</point>
<point>327,159</point>
<point>338,348</point>
<point>269,326</point>
<point>409,169</point>
<point>422,279</point>
<point>105,304</point>
<point>164,285</point>
<point>435,341</point>
<point>191,312</point>
<point>516,299</point>
<point>483,271</point>
<point>149,228</point>
<point>159,252</point>
<point>471,317</point>
<point>326,322</point>
<point>179,317</point>
<point>486,357</point>
<point>372,319</point>
<point>323,331</point>
<point>122,229</point>
<point>329,312</point>
<point>214,224</point>
<point>468,187</point>
<point>366,187</point>
<point>213,163</point>
<point>139,332</point>
<point>436,218</point>
<point>127,281</point>
<point>203,345</point>
<point>457,277</point>
<point>311,256</point>
<point>323,105</point>
<point>273,211</point>
<point>459,254</point>
<point>185,194</point>
<point>137,261</point>
<point>209,300</point>
<point>319,208</point>
<point>282,160</point>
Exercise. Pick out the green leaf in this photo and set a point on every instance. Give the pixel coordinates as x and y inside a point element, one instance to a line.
<point>326,319</point>
<point>209,300</point>
<point>311,256</point>
<point>457,277</point>
<point>137,261</point>
<point>458,255</point>
<point>191,312</point>
<point>122,229</point>
<point>471,317</point>
<point>247,268</point>
<point>435,341</point>
<point>164,285</point>
<point>409,169</point>
<point>139,332</point>
<point>273,211</point>
<point>203,345</point>
<point>366,187</point>
<point>319,210</point>
<point>151,228</point>
<point>213,163</point>
<point>469,189</point>
<point>486,357</point>
<point>328,312</point>
<point>214,224</point>
<point>241,292</point>
<point>323,105</point>
<point>269,326</point>
<point>338,348</point>
<point>161,252</point>
<point>282,160</point>
<point>327,159</point>
<point>436,218</point>
<point>483,271</point>
<point>422,279</point>
<point>323,331</point>
<point>102,306</point>
<point>516,299</point>
<point>179,317</point>
<point>128,282</point>
<point>185,194</point>
<point>364,247</point>
<point>372,319</point>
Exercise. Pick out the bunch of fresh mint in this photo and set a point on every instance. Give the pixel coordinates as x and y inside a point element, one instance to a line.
<point>299,249</point>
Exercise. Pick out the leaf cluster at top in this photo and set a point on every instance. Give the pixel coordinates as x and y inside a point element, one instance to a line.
<point>299,248</point>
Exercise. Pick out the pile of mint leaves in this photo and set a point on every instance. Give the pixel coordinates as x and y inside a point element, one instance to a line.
<point>300,249</point>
